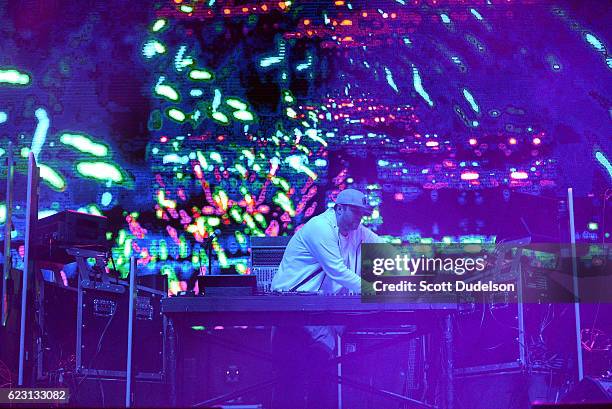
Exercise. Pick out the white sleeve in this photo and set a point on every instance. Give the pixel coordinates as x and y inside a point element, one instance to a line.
<point>322,242</point>
<point>369,236</point>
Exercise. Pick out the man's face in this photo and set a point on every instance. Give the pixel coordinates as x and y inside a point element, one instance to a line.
<point>348,218</point>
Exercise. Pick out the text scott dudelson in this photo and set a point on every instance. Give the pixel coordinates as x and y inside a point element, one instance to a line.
<point>446,286</point>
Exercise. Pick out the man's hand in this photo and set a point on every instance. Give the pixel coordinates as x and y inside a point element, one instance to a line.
<point>367,288</point>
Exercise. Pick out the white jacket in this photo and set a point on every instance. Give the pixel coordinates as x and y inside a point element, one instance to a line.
<point>318,246</point>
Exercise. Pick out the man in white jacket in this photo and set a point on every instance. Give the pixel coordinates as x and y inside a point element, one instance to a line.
<point>324,256</point>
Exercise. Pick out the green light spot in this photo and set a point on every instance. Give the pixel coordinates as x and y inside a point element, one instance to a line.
<point>153,47</point>
<point>601,158</point>
<point>186,9</point>
<point>100,171</point>
<point>261,220</point>
<point>174,158</point>
<point>14,77</point>
<point>159,25</point>
<point>390,81</point>
<point>594,41</point>
<point>198,328</point>
<point>284,202</point>
<point>176,114</point>
<point>196,92</point>
<point>291,113</point>
<point>593,226</point>
<point>200,75</point>
<point>84,144</point>
<point>470,98</point>
<point>418,86</point>
<point>244,116</point>
<point>288,97</point>
<point>216,157</point>
<point>202,160</point>
<point>2,213</point>
<point>445,18</point>
<point>127,250</point>
<point>240,238</point>
<point>52,177</point>
<point>216,99</point>
<point>241,169</point>
<point>476,14</point>
<point>93,209</point>
<point>182,247</point>
<point>163,250</point>
<point>268,61</point>
<point>121,237</point>
<point>106,198</point>
<point>180,61</point>
<point>167,92</point>
<point>220,117</point>
<point>236,104</point>
<point>235,213</point>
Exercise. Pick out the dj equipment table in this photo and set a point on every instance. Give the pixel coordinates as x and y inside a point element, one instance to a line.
<point>311,309</point>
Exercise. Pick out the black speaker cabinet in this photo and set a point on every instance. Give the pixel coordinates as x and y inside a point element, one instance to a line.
<point>98,325</point>
<point>213,362</point>
<point>56,320</point>
<point>398,369</point>
<point>102,327</point>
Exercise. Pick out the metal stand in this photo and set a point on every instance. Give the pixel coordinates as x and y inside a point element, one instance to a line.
<point>570,204</point>
<point>209,251</point>
<point>32,205</point>
<point>448,381</point>
<point>93,277</point>
<point>450,361</point>
<point>339,352</point>
<point>130,329</point>
<point>10,171</point>
<point>172,362</point>
<point>89,278</point>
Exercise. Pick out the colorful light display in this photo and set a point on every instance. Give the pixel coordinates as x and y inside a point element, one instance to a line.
<point>250,116</point>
